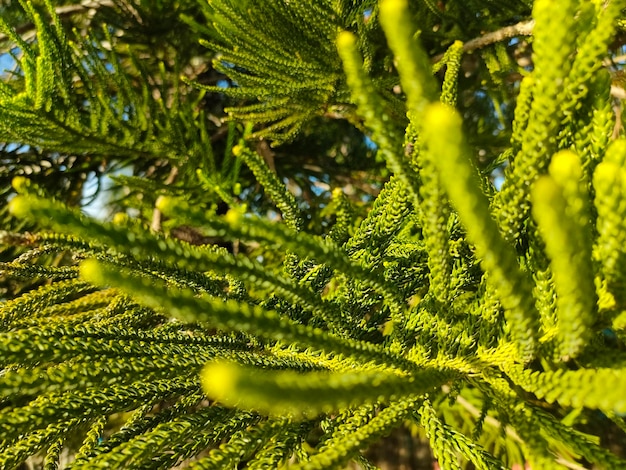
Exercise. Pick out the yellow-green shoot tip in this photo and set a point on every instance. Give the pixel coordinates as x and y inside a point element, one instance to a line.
<point>393,7</point>
<point>120,218</point>
<point>20,183</point>
<point>345,39</point>
<point>565,166</point>
<point>91,271</point>
<point>440,116</point>
<point>19,207</point>
<point>234,217</point>
<point>166,204</point>
<point>219,380</point>
<point>607,172</point>
<point>544,190</point>
<point>237,150</point>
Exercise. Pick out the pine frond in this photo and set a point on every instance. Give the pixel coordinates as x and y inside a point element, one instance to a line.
<point>412,59</point>
<point>497,256</point>
<point>168,439</point>
<point>371,107</point>
<point>241,445</point>
<point>52,408</point>
<point>35,302</point>
<point>610,185</point>
<point>294,83</point>
<point>292,393</point>
<point>561,208</point>
<point>554,43</point>
<point>343,446</point>
<point>388,215</point>
<point>448,445</point>
<point>18,450</point>
<point>283,199</point>
<point>597,388</point>
<point>232,315</point>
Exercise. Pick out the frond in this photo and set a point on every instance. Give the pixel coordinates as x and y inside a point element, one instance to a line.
<point>577,388</point>
<point>371,107</point>
<point>291,393</point>
<point>561,208</point>
<point>304,73</point>
<point>283,199</point>
<point>349,437</point>
<point>448,445</point>
<point>497,256</point>
<point>554,43</point>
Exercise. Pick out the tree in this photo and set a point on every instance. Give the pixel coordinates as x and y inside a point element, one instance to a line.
<point>467,282</point>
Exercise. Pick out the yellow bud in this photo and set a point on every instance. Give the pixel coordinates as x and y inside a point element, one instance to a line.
<point>120,218</point>
<point>19,207</point>
<point>545,189</point>
<point>237,150</point>
<point>91,271</point>
<point>20,183</point>
<point>346,39</point>
<point>166,204</point>
<point>219,381</point>
<point>565,166</point>
<point>393,7</point>
<point>606,175</point>
<point>234,217</point>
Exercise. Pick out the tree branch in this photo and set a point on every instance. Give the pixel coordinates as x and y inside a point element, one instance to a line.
<point>27,30</point>
<point>524,28</point>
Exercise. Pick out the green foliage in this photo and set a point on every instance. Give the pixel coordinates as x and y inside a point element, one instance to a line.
<point>493,321</point>
<point>99,105</point>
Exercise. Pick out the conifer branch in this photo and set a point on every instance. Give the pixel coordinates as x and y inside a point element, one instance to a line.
<point>308,394</point>
<point>497,257</point>
<point>339,450</point>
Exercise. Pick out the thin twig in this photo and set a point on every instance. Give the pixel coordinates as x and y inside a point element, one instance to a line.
<point>27,30</point>
<point>524,28</point>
